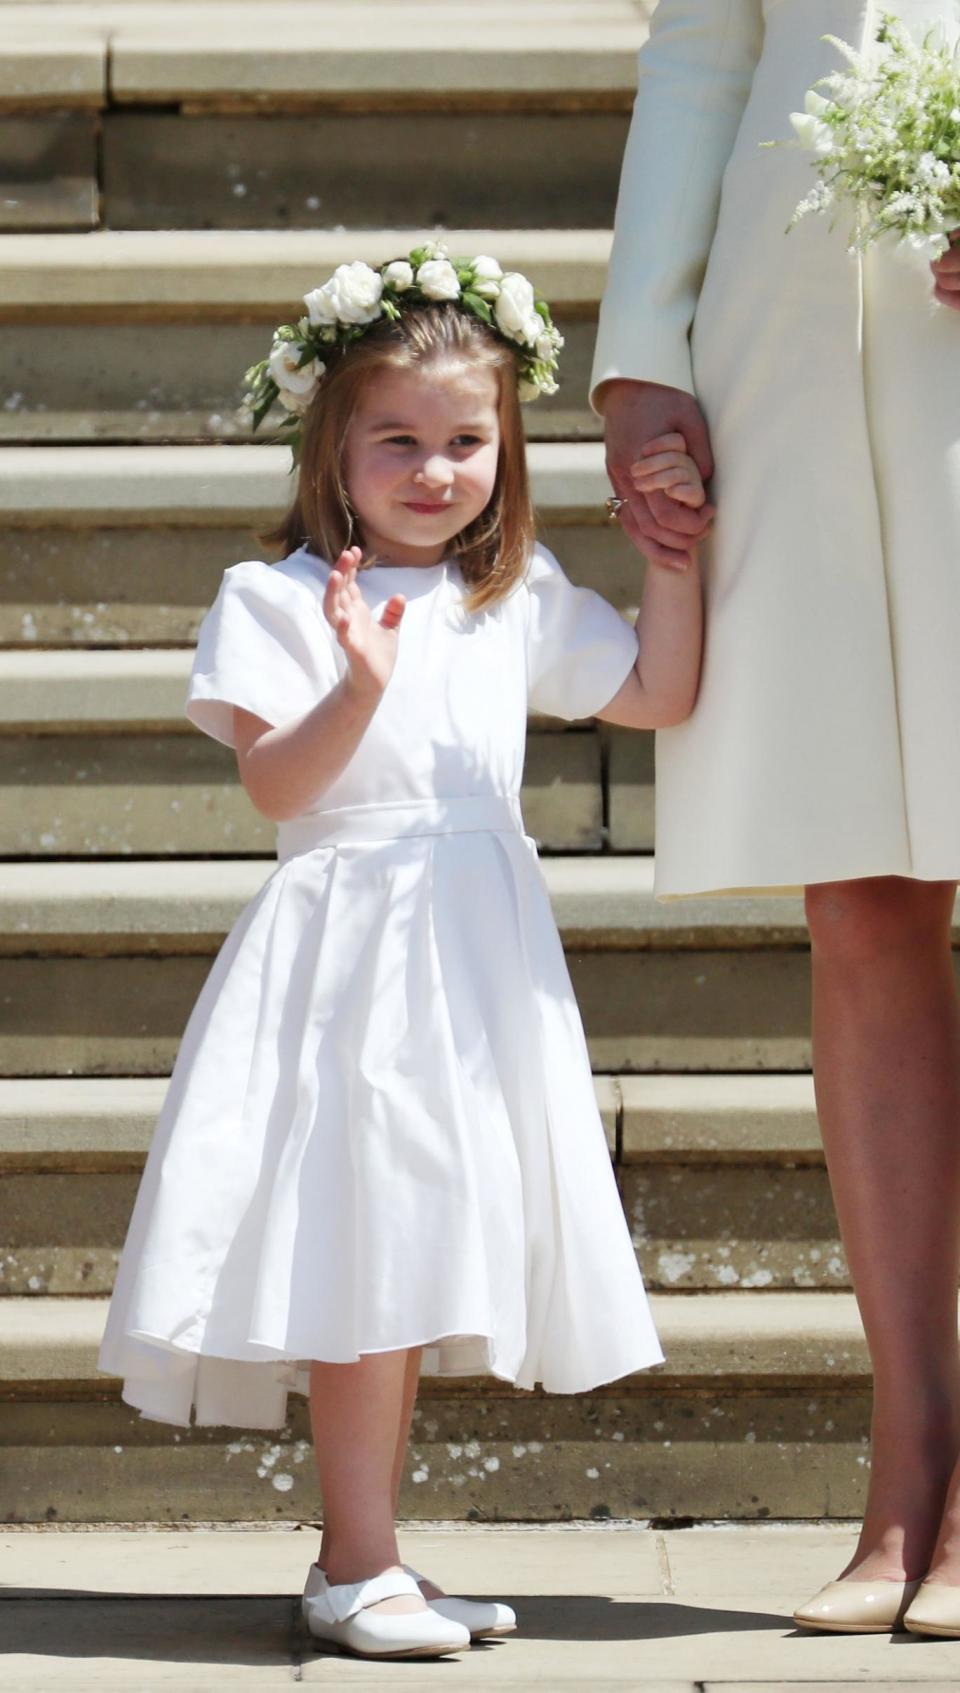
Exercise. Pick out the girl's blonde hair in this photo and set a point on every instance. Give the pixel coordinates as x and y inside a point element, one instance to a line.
<point>493,551</point>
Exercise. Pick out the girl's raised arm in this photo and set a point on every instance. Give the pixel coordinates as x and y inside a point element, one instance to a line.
<point>285,769</point>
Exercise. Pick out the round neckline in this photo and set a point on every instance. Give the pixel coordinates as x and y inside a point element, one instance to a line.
<point>419,569</point>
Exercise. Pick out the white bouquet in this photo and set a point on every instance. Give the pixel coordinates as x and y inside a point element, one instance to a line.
<point>885,136</point>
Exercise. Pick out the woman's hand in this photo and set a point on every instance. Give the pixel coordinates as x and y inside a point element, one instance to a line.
<point>635,414</point>
<point>946,274</point>
<point>370,645</point>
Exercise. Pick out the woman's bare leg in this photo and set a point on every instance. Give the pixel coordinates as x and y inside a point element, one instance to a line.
<point>356,1412</point>
<point>886,1040</point>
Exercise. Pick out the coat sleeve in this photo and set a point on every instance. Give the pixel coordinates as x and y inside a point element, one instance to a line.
<point>694,77</point>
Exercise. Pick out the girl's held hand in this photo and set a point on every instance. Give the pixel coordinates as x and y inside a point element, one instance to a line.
<point>946,274</point>
<point>370,644</point>
<point>664,463</point>
<point>666,469</point>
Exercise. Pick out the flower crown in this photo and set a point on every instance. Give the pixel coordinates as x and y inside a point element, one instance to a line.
<point>356,297</point>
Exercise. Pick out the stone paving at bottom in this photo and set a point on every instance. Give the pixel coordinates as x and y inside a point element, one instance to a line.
<point>684,1611</point>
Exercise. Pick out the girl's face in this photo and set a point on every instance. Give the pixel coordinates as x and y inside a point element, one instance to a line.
<point>421,458</point>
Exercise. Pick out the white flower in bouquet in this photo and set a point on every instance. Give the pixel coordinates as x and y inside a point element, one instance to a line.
<point>811,132</point>
<point>885,137</point>
<point>352,296</point>
<point>438,280</point>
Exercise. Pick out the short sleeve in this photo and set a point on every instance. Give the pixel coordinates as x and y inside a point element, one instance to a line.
<point>264,646</point>
<point>580,650</point>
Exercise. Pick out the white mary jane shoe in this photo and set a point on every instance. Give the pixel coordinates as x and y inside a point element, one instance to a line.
<point>341,1615</point>
<point>480,1617</point>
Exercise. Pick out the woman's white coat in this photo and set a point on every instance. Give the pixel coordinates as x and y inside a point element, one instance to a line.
<point>826,741</point>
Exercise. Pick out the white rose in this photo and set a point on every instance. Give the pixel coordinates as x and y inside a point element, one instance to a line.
<point>320,307</point>
<point>486,267</point>
<point>486,277</point>
<point>532,329</point>
<point>297,383</point>
<point>527,390</point>
<point>352,295</point>
<point>514,308</point>
<point>399,275</point>
<point>290,401</point>
<point>546,347</point>
<point>438,280</point>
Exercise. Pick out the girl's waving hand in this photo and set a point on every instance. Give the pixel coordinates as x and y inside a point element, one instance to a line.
<point>370,645</point>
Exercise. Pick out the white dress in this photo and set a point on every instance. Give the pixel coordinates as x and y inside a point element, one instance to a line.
<point>381,1130</point>
<point>825,744</point>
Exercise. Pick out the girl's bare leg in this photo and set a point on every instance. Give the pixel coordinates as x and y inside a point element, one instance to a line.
<point>429,1589</point>
<point>886,1041</point>
<point>411,1383</point>
<point>356,1412</point>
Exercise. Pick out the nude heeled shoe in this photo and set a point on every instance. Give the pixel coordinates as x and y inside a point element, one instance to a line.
<point>858,1607</point>
<point>935,1610</point>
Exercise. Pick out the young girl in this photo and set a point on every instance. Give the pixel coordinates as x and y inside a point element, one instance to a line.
<point>380,1151</point>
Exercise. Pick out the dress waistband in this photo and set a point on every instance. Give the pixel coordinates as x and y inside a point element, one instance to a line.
<point>355,824</point>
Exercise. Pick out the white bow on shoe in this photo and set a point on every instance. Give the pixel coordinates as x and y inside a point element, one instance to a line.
<point>481,1617</point>
<point>342,1616</point>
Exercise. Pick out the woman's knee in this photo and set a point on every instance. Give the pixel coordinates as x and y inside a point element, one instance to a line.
<point>878,914</point>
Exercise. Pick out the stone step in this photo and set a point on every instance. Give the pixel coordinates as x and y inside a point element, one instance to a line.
<point>48,174</point>
<point>456,113</point>
<point>600,904</point>
<point>65,71</point>
<point>166,794</point>
<point>300,52</point>
<point>215,276</point>
<point>102,962</point>
<point>761,1410</point>
<point>109,546</point>
<point>97,759</point>
<point>481,163</point>
<point>133,313</point>
<point>756,1214</point>
<point>84,1124</point>
<point>87,486</point>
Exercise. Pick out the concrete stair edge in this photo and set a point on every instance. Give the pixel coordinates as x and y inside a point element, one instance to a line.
<point>77,689</point>
<point>264,272</point>
<point>597,900</point>
<point>60,486</point>
<point>745,1336</point>
<point>54,1122</point>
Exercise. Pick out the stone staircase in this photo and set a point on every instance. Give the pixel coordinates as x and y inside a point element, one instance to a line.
<point>177,176</point>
